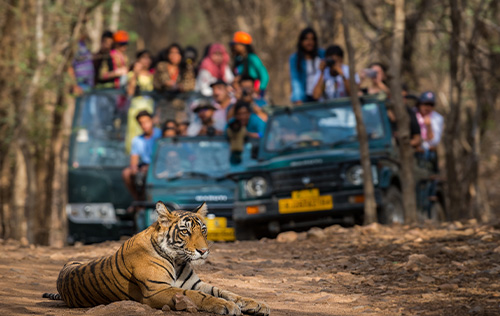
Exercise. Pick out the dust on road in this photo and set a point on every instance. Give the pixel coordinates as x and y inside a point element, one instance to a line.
<point>452,269</point>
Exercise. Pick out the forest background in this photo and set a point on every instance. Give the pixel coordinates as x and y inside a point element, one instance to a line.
<point>450,46</point>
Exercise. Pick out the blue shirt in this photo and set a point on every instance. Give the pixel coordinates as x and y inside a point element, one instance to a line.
<point>255,124</point>
<point>299,78</point>
<point>143,147</point>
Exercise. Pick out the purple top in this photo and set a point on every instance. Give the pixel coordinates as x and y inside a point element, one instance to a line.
<point>83,66</point>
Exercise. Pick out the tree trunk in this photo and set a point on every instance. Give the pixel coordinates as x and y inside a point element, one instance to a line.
<point>370,208</point>
<point>58,183</point>
<point>33,158</point>
<point>152,22</point>
<point>115,15</point>
<point>7,184</point>
<point>18,219</point>
<point>402,119</point>
<point>454,192</point>
<point>95,29</point>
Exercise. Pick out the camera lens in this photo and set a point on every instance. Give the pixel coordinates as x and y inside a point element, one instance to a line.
<point>210,131</point>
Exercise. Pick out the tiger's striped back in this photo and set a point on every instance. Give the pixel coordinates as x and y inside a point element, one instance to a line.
<point>101,281</point>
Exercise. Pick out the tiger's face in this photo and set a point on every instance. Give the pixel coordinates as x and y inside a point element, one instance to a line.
<point>183,234</point>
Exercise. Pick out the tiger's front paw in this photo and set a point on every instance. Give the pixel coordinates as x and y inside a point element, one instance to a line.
<point>221,307</point>
<point>253,307</point>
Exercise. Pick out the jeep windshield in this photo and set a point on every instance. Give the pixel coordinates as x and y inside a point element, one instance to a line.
<point>326,125</point>
<point>99,131</point>
<point>207,157</point>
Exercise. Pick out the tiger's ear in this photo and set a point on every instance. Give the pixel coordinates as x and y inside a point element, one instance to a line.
<point>201,210</point>
<point>164,214</point>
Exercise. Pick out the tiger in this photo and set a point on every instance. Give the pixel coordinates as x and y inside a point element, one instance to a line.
<point>153,267</point>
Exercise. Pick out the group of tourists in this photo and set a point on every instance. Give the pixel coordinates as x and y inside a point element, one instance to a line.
<point>234,89</point>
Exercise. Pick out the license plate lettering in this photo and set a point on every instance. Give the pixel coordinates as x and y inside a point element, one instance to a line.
<point>320,203</point>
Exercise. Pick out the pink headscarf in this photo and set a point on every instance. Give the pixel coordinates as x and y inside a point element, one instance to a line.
<point>218,71</point>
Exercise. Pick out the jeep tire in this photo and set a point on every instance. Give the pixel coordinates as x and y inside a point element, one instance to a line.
<point>437,213</point>
<point>244,232</point>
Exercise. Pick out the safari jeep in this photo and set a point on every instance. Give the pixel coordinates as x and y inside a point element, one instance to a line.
<point>98,201</point>
<point>97,196</point>
<point>187,171</point>
<point>309,171</point>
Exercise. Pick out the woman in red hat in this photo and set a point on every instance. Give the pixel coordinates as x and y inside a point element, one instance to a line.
<point>247,63</point>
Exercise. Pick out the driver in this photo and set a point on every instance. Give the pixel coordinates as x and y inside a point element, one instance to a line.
<point>172,165</point>
<point>141,153</point>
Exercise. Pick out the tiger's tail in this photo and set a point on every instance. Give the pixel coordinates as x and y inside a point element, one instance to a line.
<point>52,296</point>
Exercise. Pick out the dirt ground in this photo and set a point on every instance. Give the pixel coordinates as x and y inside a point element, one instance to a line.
<point>451,269</point>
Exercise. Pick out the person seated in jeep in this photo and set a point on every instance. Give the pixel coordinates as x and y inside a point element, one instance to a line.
<point>415,139</point>
<point>243,126</point>
<point>374,80</point>
<point>245,92</point>
<point>204,122</point>
<point>332,77</point>
<point>431,126</point>
<point>254,125</point>
<point>169,129</point>
<point>141,153</point>
<point>223,99</point>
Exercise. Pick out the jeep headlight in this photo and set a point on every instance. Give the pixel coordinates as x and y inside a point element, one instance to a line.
<point>91,212</point>
<point>256,186</point>
<point>354,175</point>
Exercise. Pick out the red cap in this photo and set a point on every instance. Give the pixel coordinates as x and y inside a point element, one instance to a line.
<point>241,37</point>
<point>120,36</point>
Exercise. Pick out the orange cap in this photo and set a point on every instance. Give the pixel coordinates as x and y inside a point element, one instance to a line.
<point>241,37</point>
<point>120,36</point>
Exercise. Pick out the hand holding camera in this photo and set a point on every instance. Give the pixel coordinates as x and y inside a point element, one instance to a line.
<point>369,73</point>
<point>329,62</point>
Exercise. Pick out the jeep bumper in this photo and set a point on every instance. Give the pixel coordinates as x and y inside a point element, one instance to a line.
<point>265,213</point>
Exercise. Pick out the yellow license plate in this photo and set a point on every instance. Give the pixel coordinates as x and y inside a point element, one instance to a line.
<point>304,194</point>
<point>217,230</point>
<point>305,201</point>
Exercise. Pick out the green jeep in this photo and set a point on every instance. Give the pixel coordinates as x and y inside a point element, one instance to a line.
<point>97,196</point>
<point>99,204</point>
<point>187,171</point>
<point>309,172</point>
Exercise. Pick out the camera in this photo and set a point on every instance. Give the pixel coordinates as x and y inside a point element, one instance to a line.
<point>246,93</point>
<point>235,126</point>
<point>329,62</point>
<point>370,73</point>
<point>210,131</point>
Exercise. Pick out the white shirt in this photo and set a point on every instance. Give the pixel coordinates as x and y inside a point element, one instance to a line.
<point>437,123</point>
<point>334,86</point>
<point>205,79</point>
<point>312,67</point>
<point>218,118</point>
